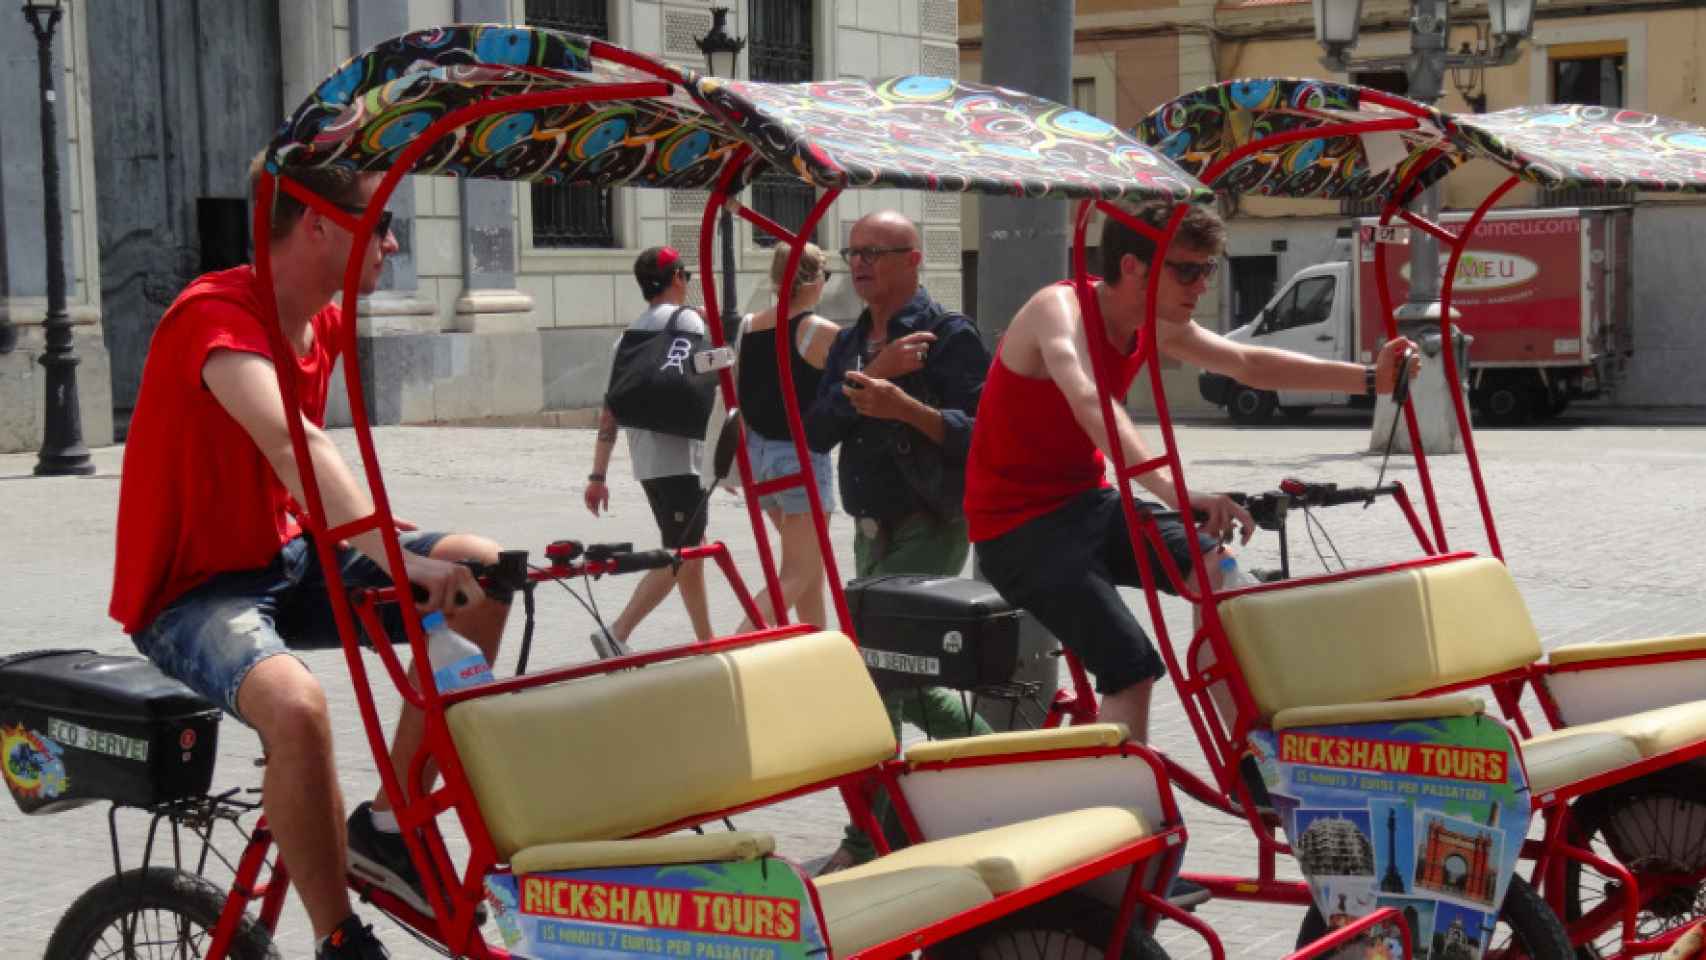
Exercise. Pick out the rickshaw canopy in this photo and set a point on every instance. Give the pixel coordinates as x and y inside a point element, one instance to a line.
<point>914,132</point>
<point>1554,146</point>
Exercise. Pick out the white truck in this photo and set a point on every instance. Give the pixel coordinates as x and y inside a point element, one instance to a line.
<point>1544,293</point>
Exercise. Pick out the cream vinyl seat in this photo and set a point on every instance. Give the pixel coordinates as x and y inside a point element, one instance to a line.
<point>564,772</point>
<point>1397,634</point>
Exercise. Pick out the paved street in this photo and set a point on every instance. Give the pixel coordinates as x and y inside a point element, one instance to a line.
<point>1599,523</point>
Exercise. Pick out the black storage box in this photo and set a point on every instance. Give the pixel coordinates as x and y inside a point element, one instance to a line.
<point>935,631</point>
<point>77,726</point>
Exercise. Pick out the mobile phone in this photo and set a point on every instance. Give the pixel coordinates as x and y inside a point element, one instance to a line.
<point>716,358</point>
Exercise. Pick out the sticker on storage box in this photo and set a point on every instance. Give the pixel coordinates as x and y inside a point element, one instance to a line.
<point>1427,816</point>
<point>746,910</point>
<point>33,765</point>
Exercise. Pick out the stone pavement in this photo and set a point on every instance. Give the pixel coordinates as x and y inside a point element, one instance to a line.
<point>1599,524</point>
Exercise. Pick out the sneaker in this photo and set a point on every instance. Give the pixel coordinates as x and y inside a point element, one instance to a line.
<point>605,644</point>
<point>352,940</point>
<point>1187,895</point>
<point>382,859</point>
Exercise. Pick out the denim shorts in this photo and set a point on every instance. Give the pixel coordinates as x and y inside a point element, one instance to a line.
<point>212,636</point>
<point>775,458</point>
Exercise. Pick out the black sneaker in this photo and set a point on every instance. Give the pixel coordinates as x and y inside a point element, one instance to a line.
<point>352,940</point>
<point>382,859</point>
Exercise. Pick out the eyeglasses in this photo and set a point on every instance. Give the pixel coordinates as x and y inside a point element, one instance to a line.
<point>1188,272</point>
<point>686,275</point>
<point>869,254</point>
<point>381,228</point>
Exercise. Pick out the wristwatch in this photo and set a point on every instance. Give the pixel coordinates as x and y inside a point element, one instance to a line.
<point>595,478</point>
<point>1368,378</point>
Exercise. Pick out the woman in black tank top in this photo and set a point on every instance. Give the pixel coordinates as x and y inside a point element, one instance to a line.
<point>768,444</point>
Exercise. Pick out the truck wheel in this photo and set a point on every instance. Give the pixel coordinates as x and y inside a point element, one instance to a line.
<point>1249,405</point>
<point>1506,401</point>
<point>1297,413</point>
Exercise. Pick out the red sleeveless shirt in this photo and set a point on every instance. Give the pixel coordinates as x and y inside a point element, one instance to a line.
<point>1029,456</point>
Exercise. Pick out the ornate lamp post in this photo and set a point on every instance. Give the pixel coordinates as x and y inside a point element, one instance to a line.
<point>722,53</point>
<point>1337,23</point>
<point>62,449</point>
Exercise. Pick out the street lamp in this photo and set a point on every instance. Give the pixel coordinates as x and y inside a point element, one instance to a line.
<point>1336,25</point>
<point>722,53</point>
<point>62,449</point>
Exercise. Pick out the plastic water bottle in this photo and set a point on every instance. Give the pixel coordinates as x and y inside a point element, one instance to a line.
<point>456,661</point>
<point>1232,576</point>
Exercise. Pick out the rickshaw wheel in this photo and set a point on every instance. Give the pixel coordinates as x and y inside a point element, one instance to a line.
<point>168,913</point>
<point>1656,826</point>
<point>1527,928</point>
<point>1071,926</point>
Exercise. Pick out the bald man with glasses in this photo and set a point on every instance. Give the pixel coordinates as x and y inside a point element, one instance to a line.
<point>899,395</point>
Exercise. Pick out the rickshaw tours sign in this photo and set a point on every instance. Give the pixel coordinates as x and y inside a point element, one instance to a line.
<point>1426,816</point>
<point>746,910</point>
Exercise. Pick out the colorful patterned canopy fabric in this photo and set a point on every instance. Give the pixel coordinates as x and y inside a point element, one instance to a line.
<point>367,112</point>
<point>931,133</point>
<point>1206,125</point>
<point>922,133</point>
<point>1570,145</point>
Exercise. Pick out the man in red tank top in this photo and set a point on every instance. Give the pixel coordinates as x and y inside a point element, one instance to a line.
<point>214,579</point>
<point>1048,529</point>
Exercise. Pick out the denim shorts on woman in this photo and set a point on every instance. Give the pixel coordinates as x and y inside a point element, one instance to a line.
<point>775,458</point>
<point>212,636</point>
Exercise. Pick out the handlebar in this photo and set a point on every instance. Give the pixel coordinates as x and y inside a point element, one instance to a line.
<point>1269,509</point>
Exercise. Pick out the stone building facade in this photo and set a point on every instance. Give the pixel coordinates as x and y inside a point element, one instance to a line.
<point>504,300</point>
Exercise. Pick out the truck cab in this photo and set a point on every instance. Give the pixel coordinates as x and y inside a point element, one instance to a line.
<point>1314,313</point>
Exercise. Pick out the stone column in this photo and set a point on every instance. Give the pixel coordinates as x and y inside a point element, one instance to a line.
<point>490,302</point>
<point>396,306</point>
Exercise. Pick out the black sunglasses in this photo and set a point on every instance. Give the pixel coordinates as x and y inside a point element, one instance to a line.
<point>381,228</point>
<point>1187,272</point>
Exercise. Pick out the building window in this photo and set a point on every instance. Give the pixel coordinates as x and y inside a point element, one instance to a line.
<point>779,43</point>
<point>1386,81</point>
<point>1084,95</point>
<point>1593,80</point>
<point>572,216</point>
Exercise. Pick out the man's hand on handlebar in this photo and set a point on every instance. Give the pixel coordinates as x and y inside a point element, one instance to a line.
<point>1222,514</point>
<point>445,585</point>
<point>1386,366</point>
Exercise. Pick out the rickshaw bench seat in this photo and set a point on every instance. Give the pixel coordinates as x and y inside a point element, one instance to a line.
<point>1561,757</point>
<point>724,846</point>
<point>1386,635</point>
<point>617,754</point>
<point>918,885</point>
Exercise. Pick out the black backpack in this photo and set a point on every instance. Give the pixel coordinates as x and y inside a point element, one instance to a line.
<point>653,385</point>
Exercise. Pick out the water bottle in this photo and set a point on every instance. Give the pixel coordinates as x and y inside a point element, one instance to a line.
<point>1232,576</point>
<point>456,661</point>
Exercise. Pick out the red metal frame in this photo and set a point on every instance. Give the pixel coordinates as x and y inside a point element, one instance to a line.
<point>453,902</point>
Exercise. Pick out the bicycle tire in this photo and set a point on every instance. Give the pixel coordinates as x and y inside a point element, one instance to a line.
<point>91,928</point>
<point>1524,916</point>
<point>1071,926</point>
<point>1656,823</point>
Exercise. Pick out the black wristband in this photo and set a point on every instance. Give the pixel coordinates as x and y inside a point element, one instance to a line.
<point>595,478</point>
<point>1368,379</point>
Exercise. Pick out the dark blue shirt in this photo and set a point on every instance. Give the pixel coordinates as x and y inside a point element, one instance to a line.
<point>872,484</point>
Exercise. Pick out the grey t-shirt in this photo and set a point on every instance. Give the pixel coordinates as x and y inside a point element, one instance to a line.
<point>661,454</point>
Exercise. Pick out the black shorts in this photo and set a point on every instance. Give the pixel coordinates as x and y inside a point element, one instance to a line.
<point>674,500</point>
<point>1063,568</point>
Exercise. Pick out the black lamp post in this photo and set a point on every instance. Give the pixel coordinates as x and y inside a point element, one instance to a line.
<point>62,449</point>
<point>722,52</point>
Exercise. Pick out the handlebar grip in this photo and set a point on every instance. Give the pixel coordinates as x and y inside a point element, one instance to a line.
<point>1346,495</point>
<point>419,593</point>
<point>642,560</point>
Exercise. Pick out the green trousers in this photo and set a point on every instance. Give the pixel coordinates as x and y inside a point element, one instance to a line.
<point>916,545</point>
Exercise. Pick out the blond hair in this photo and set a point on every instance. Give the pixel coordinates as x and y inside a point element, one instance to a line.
<point>812,263</point>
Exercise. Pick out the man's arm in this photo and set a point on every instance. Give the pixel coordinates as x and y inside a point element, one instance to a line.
<point>832,416</point>
<point>1268,368</point>
<point>246,386</point>
<point>597,488</point>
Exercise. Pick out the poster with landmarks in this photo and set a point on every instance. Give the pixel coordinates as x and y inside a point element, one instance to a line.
<point>1427,816</point>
